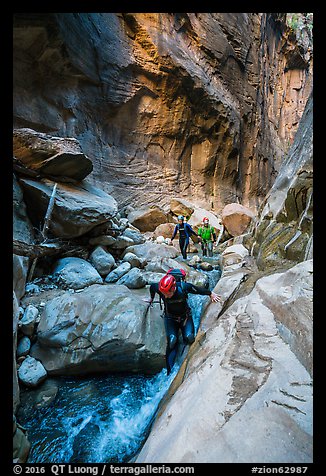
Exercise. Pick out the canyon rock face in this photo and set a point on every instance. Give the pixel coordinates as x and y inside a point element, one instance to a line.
<point>169,113</point>
<point>198,105</point>
<point>284,232</point>
<point>22,230</point>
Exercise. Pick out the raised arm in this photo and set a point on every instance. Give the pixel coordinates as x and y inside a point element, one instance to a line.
<point>193,289</point>
<point>153,289</point>
<point>191,231</point>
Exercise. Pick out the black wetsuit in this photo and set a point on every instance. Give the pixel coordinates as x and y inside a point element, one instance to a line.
<point>185,231</point>
<point>177,315</point>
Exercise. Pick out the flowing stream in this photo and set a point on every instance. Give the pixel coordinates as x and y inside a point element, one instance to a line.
<point>102,418</point>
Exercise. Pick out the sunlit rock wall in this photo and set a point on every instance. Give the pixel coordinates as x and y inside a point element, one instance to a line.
<point>198,105</point>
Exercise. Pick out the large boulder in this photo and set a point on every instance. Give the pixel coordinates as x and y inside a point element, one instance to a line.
<point>77,208</point>
<point>75,273</point>
<point>152,277</point>
<point>118,272</point>
<point>31,372</point>
<point>149,251</point>
<point>55,157</point>
<point>135,235</point>
<point>102,328</point>
<point>178,206</point>
<point>236,218</point>
<point>28,321</point>
<point>23,347</point>
<point>102,260</point>
<point>147,219</point>
<point>196,219</point>
<point>122,242</point>
<point>21,445</point>
<point>233,255</point>
<point>133,279</point>
<point>165,229</point>
<point>103,240</point>
<point>134,260</point>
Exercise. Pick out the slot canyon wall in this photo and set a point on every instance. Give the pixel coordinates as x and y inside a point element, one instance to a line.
<point>202,106</point>
<point>214,108</point>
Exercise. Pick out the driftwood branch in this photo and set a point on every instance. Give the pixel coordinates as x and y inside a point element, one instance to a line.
<point>35,250</point>
<point>21,169</point>
<point>227,303</point>
<point>45,228</point>
<point>47,218</point>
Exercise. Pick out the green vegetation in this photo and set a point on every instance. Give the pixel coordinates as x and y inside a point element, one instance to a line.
<point>297,21</point>
<point>292,20</point>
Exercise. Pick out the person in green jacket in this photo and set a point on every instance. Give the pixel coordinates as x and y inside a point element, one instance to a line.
<point>208,237</point>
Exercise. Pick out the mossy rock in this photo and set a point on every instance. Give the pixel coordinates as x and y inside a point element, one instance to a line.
<point>296,250</point>
<point>272,245</point>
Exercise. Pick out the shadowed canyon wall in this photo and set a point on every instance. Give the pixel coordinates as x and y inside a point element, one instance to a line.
<point>196,105</point>
<point>283,234</point>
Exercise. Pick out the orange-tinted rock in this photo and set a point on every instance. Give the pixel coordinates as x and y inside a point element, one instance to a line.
<point>236,218</point>
<point>50,156</point>
<point>147,219</point>
<point>165,229</point>
<point>178,206</point>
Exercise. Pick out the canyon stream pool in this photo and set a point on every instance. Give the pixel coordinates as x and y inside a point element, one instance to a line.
<point>103,418</point>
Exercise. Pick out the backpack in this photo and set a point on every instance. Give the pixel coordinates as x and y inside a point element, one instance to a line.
<point>179,274</point>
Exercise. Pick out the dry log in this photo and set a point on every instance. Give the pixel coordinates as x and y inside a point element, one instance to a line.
<point>35,250</point>
<point>45,228</point>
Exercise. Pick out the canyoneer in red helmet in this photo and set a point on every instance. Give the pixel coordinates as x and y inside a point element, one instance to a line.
<point>174,290</point>
<point>208,237</point>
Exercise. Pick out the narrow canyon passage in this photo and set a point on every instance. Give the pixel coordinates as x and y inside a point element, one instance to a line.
<point>145,143</point>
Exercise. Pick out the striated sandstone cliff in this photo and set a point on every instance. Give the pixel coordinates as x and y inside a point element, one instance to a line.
<point>205,107</point>
<point>200,105</point>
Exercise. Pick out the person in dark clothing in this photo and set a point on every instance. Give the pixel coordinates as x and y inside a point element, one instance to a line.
<point>177,313</point>
<point>185,231</point>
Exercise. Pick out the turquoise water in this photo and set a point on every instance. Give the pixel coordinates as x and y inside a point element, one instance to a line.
<point>96,419</point>
<point>102,418</point>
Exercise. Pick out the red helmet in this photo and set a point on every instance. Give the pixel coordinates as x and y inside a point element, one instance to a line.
<point>205,219</point>
<point>167,284</point>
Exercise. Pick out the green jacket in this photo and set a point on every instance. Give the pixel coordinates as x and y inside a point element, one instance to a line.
<point>206,232</point>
